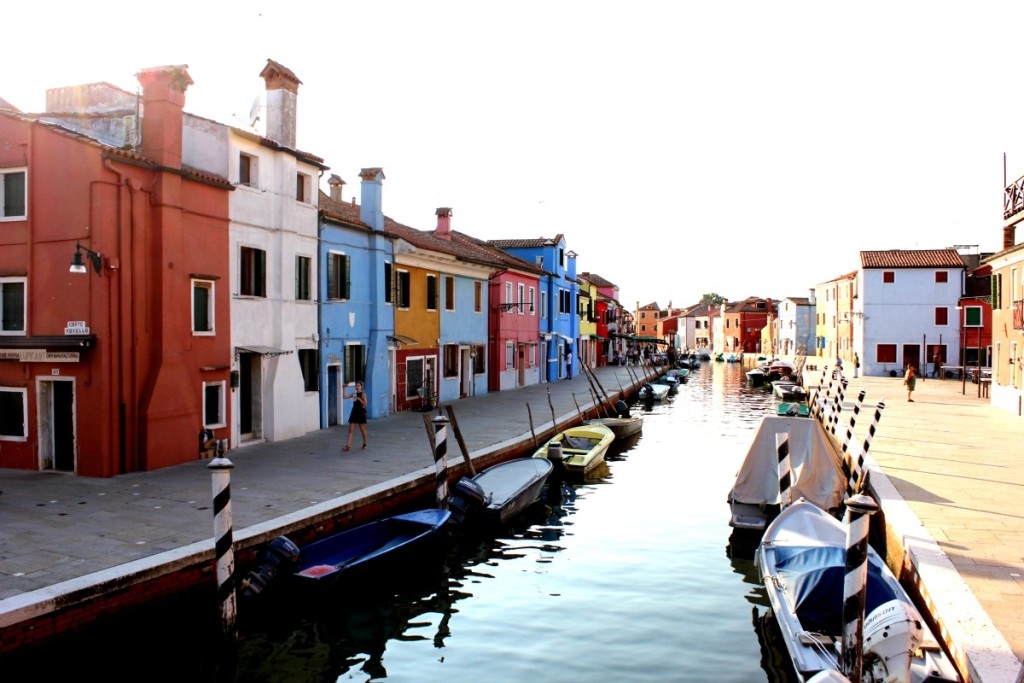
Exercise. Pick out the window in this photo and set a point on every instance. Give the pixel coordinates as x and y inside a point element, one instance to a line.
<point>885,353</point>
<point>431,292</point>
<point>564,301</point>
<point>479,362</point>
<point>12,305</point>
<point>247,170</point>
<point>520,289</point>
<point>941,315</point>
<point>389,283</point>
<point>213,404</point>
<point>419,376</point>
<point>302,188</point>
<point>13,198</point>
<point>253,272</point>
<point>888,276</point>
<point>309,364</point>
<point>202,307</point>
<point>972,316</point>
<point>508,294</point>
<point>402,283</point>
<point>941,276</point>
<point>510,355</point>
<point>302,278</point>
<point>478,296</point>
<point>543,305</point>
<point>451,360</point>
<point>533,294</point>
<point>339,279</point>
<point>355,363</point>
<point>449,293</point>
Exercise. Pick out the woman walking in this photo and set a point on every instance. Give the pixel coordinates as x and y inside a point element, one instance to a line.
<point>357,416</point>
<point>910,379</point>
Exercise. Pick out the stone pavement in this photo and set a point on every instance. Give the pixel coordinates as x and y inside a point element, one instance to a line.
<point>946,470</point>
<point>951,490</point>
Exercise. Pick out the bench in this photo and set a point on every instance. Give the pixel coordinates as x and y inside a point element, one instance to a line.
<point>986,382</point>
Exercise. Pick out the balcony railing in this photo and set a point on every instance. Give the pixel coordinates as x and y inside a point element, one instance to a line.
<point>1013,198</point>
<point>1018,315</point>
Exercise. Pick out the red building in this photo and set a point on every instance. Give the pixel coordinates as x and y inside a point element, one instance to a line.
<point>753,315</point>
<point>116,366</point>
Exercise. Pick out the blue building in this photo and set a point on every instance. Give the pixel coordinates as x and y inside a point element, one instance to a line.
<point>559,293</point>
<point>356,325</point>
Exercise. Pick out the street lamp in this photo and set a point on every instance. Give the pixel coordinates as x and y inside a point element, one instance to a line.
<point>78,265</point>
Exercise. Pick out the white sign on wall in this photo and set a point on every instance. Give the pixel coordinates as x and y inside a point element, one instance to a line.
<point>76,327</point>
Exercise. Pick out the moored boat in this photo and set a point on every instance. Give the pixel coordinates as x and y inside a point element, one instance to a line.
<point>373,550</point>
<point>579,449</point>
<point>802,563</point>
<point>814,456</point>
<point>654,392</point>
<point>499,493</point>
<point>622,427</point>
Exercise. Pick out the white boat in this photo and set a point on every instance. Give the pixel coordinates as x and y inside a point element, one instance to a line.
<point>789,391</point>
<point>802,562</point>
<point>654,392</point>
<point>815,461</point>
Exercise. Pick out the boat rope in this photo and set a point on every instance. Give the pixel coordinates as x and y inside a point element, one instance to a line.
<point>859,509</point>
<point>220,469</point>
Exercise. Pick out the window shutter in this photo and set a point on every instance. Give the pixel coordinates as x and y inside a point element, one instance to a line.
<point>347,294</point>
<point>261,272</point>
<point>389,283</point>
<point>995,290</point>
<point>332,280</point>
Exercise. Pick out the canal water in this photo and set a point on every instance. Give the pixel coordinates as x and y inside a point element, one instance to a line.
<point>628,576</point>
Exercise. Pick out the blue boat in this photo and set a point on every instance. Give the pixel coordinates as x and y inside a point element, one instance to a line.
<point>374,550</point>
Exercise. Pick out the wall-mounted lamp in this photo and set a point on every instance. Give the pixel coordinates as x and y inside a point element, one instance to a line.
<point>95,258</point>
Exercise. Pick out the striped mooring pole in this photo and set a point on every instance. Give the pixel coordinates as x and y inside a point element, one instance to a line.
<point>441,460</point>
<point>223,544</point>
<point>859,509</point>
<point>856,480</point>
<point>785,471</point>
<point>838,405</point>
<point>853,419</point>
<point>819,402</point>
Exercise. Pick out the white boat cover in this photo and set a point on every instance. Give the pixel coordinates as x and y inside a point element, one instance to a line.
<point>815,461</point>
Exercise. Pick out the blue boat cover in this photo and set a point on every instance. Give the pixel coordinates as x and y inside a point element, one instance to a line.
<point>814,578</point>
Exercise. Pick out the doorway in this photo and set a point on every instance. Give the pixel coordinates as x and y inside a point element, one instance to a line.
<point>250,396</point>
<point>333,395</point>
<point>466,372</point>
<point>56,413</point>
<point>912,355</point>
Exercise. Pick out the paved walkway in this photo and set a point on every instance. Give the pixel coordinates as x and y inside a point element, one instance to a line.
<point>949,460</point>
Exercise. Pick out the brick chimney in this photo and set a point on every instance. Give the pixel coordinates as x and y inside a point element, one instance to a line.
<point>1009,236</point>
<point>337,186</point>
<point>282,102</point>
<point>444,223</point>
<point>370,211</point>
<point>163,102</point>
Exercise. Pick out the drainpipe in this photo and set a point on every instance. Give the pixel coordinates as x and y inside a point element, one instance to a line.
<point>117,361</point>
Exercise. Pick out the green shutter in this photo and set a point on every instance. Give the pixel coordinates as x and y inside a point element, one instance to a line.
<point>332,285</point>
<point>347,294</point>
<point>261,272</point>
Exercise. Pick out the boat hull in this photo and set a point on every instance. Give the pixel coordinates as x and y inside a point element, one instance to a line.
<point>622,427</point>
<point>582,448</point>
<point>499,493</point>
<point>374,551</point>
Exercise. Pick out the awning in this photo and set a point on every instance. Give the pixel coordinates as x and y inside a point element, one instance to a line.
<point>565,337</point>
<point>268,351</point>
<point>401,339</point>
<point>598,337</point>
<point>75,342</point>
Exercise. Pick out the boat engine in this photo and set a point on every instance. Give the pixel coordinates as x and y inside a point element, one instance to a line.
<point>555,452</point>
<point>278,553</point>
<point>892,633</point>
<point>466,501</point>
<point>621,409</point>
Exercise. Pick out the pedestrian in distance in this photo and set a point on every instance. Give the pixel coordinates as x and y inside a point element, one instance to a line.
<point>357,416</point>
<point>937,362</point>
<point>856,365</point>
<point>910,381</point>
<point>568,362</point>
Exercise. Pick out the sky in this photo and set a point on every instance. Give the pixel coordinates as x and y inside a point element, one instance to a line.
<point>682,148</point>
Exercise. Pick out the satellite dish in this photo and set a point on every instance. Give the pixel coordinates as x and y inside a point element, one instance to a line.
<point>254,112</point>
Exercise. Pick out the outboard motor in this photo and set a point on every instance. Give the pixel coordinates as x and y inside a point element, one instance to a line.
<point>466,501</point>
<point>621,409</point>
<point>279,553</point>
<point>555,452</point>
<point>892,633</point>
